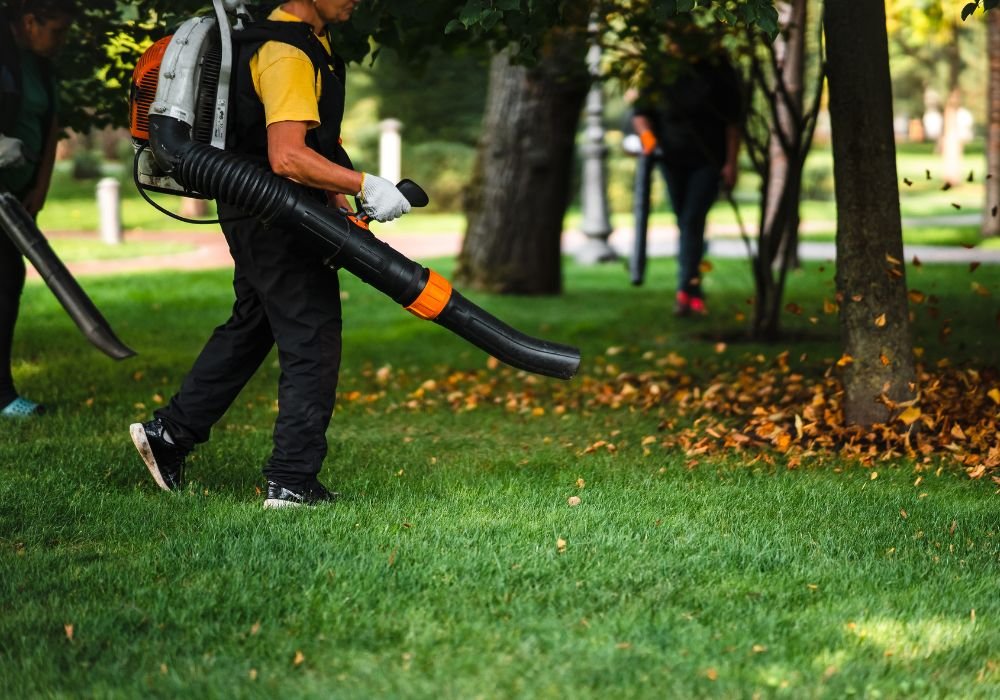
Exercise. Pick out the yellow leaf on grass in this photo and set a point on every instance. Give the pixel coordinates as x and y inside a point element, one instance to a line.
<point>711,674</point>
<point>995,395</point>
<point>560,545</point>
<point>845,360</point>
<point>299,658</point>
<point>759,648</point>
<point>69,631</point>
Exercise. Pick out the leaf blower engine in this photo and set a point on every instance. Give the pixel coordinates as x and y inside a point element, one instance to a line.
<point>180,100</point>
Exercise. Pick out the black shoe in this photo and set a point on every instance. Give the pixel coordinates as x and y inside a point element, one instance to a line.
<point>280,497</point>
<point>164,459</point>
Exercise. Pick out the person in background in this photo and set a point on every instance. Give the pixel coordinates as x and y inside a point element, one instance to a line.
<point>288,106</point>
<point>689,112</point>
<point>31,33</point>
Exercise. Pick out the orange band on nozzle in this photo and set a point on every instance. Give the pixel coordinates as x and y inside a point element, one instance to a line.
<point>648,142</point>
<point>432,299</point>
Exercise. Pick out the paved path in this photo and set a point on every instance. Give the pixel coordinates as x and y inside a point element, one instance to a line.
<point>210,249</point>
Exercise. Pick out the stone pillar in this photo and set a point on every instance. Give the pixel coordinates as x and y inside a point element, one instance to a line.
<point>390,150</point>
<point>109,210</point>
<point>596,224</point>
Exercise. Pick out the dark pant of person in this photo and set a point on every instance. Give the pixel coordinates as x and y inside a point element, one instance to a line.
<point>284,296</point>
<point>692,189</point>
<point>11,285</point>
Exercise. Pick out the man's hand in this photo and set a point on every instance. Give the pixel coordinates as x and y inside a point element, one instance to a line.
<point>380,199</point>
<point>11,152</point>
<point>34,201</point>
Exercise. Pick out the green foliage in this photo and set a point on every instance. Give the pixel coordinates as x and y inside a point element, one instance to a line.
<point>438,99</point>
<point>86,165</point>
<point>443,169</point>
<point>108,38</point>
<point>971,7</point>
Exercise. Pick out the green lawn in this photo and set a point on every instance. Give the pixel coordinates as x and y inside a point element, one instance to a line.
<point>454,565</point>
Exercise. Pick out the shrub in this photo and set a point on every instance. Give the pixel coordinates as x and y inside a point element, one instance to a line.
<point>86,165</point>
<point>443,169</point>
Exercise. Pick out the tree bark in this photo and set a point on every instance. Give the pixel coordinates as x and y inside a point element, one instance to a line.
<point>991,213</point>
<point>871,281</point>
<point>521,181</point>
<point>951,145</point>
<point>788,142</point>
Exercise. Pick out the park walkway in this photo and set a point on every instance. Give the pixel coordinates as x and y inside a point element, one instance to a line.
<point>210,251</point>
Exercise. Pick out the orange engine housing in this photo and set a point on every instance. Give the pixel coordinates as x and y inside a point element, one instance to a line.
<point>143,89</point>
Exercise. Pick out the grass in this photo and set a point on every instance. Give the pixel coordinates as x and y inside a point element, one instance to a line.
<point>439,574</point>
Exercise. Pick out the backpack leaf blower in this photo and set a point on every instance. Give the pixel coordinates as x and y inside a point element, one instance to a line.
<point>180,102</point>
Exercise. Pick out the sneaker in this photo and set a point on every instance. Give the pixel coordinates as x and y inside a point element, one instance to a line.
<point>280,497</point>
<point>164,459</point>
<point>682,304</point>
<point>22,408</point>
<point>698,307</point>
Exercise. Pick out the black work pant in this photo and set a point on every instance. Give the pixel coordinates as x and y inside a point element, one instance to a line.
<point>693,190</point>
<point>284,296</point>
<point>12,273</point>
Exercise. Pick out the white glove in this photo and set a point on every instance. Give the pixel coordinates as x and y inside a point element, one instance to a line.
<point>11,152</point>
<point>380,199</point>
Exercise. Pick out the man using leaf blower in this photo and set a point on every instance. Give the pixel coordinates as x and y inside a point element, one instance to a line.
<point>31,33</point>
<point>289,103</point>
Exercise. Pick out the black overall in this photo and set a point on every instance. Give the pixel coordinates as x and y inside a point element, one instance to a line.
<point>284,294</point>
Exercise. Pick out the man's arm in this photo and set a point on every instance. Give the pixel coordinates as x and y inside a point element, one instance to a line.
<point>290,157</point>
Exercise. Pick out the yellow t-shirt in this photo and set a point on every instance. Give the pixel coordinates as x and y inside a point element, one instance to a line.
<point>285,80</point>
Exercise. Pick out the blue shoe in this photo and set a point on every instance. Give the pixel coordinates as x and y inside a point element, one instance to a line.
<point>22,408</point>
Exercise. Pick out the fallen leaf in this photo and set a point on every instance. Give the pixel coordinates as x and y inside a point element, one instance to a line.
<point>880,321</point>
<point>573,501</point>
<point>69,631</point>
<point>299,658</point>
<point>910,415</point>
<point>873,476</point>
<point>560,545</point>
<point>758,648</point>
<point>711,674</point>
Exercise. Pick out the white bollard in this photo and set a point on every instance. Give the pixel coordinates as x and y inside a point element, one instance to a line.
<point>109,210</point>
<point>390,150</point>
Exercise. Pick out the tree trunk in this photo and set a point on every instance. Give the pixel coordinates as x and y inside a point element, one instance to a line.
<point>790,46</point>
<point>788,143</point>
<point>871,282</point>
<point>521,180</point>
<point>991,219</point>
<point>951,146</point>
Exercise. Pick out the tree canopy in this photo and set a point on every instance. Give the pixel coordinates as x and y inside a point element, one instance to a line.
<point>110,35</point>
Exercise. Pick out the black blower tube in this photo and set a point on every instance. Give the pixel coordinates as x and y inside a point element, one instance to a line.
<point>239,182</point>
<point>24,233</point>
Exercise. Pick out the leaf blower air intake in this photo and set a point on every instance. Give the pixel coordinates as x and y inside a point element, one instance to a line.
<point>180,100</point>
